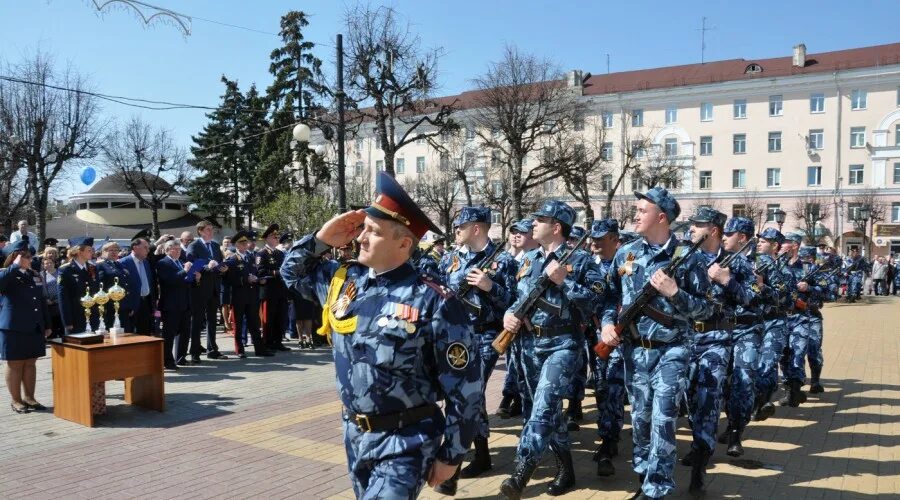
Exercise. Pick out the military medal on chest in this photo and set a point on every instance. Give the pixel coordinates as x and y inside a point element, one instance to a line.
<point>339,308</point>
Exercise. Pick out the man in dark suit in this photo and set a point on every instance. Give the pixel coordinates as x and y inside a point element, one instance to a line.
<point>175,280</point>
<point>74,278</point>
<point>140,298</point>
<point>274,292</point>
<point>205,293</point>
<point>243,281</point>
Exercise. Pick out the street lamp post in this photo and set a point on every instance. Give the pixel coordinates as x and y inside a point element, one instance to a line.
<point>865,212</point>
<point>779,218</point>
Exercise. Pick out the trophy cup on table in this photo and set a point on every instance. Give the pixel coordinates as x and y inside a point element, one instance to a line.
<point>116,293</point>
<point>87,302</point>
<point>101,298</point>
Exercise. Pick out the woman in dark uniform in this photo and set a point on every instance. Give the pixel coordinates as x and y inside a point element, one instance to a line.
<point>24,325</point>
<point>108,270</point>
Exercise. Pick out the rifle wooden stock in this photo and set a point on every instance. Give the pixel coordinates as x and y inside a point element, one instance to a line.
<point>504,338</point>
<point>602,349</point>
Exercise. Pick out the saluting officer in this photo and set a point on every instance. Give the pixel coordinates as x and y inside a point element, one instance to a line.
<point>401,344</point>
<point>551,352</point>
<point>273,293</point>
<point>656,366</point>
<point>75,277</point>
<point>490,293</point>
<point>243,281</point>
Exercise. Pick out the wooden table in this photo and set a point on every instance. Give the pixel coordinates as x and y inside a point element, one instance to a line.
<point>138,359</point>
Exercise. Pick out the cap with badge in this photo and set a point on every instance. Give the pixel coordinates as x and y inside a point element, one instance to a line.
<point>473,214</point>
<point>393,203</point>
<point>558,210</point>
<point>771,234</point>
<point>602,227</point>
<point>18,246</point>
<point>739,225</point>
<point>252,235</point>
<point>142,234</point>
<point>709,215</point>
<point>286,237</point>
<point>241,236</point>
<point>794,237</point>
<point>79,241</point>
<point>51,242</point>
<point>522,226</point>
<point>806,251</point>
<point>273,228</point>
<point>576,233</point>
<point>662,199</point>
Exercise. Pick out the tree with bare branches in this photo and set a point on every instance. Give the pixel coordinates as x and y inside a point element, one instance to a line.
<point>437,192</point>
<point>522,102</point>
<point>877,211</point>
<point>590,166</point>
<point>56,127</point>
<point>14,192</point>
<point>810,210</point>
<point>752,207</point>
<point>388,71</point>
<point>633,148</point>
<point>149,163</point>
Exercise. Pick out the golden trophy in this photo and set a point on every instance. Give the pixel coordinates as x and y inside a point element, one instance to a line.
<point>87,302</point>
<point>101,298</point>
<point>116,293</point>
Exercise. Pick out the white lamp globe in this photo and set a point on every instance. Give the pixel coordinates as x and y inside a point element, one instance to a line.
<point>301,132</point>
<point>320,150</point>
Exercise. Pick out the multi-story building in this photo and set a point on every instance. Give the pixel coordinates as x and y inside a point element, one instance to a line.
<point>816,136</point>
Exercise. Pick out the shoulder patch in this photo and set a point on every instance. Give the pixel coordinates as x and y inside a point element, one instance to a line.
<point>457,356</point>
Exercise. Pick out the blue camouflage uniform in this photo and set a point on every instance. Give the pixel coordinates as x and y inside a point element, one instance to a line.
<point>484,309</point>
<point>656,367</point>
<point>829,281</point>
<point>402,344</point>
<point>855,270</point>
<point>513,381</point>
<point>550,353</point>
<point>712,341</point>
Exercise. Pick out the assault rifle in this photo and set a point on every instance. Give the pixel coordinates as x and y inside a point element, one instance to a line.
<point>799,303</point>
<point>485,265</point>
<point>726,262</point>
<point>770,265</point>
<point>523,310</point>
<point>635,308</point>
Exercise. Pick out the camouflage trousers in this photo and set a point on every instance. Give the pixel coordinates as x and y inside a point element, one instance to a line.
<point>391,464</point>
<point>487,358</point>
<point>793,363</point>
<point>814,348</point>
<point>773,344</point>
<point>522,344</point>
<point>706,382</point>
<point>657,379</point>
<point>744,369</point>
<point>549,369</point>
<point>855,284</point>
<point>511,379</point>
<point>609,383</point>
<point>581,376</point>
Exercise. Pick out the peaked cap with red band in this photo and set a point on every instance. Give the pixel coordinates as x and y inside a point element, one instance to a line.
<point>392,203</point>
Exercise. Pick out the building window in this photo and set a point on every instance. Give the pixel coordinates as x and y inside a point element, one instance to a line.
<point>896,173</point>
<point>773,177</point>
<point>359,144</point>
<point>379,165</point>
<point>813,176</point>
<point>607,119</point>
<point>671,114</point>
<point>578,122</point>
<point>420,139</point>
<point>774,142</point>
<point>495,158</point>
<point>740,109</point>
<point>445,162</point>
<point>637,118</point>
<point>816,139</point>
<point>856,175</point>
<point>420,164</point>
<point>897,135</point>
<point>606,182</point>
<point>358,169</point>
<point>739,210</point>
<point>706,179</point>
<point>470,133</point>
<point>895,212</point>
<point>671,146</point>
<point>857,137</point>
<point>771,208</point>
<point>377,142</point>
<point>706,111</point>
<point>858,99</point>
<point>400,167</point>
<point>776,105</point>
<point>853,211</point>
<point>817,103</point>
<point>706,145</point>
<point>606,151</point>
<point>738,178</point>
<point>637,149</point>
<point>82,206</point>
<point>497,188</point>
<point>739,144</point>
<point>131,204</point>
<point>94,205</point>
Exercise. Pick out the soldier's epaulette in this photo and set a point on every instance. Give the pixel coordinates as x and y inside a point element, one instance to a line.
<point>442,290</point>
<point>65,265</point>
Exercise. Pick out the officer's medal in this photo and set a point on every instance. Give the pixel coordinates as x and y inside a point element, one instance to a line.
<point>628,266</point>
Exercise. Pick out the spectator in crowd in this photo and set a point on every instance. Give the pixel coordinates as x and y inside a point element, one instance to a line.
<point>23,232</point>
<point>141,297</point>
<point>50,278</point>
<point>879,273</point>
<point>110,270</point>
<point>3,241</point>
<point>174,302</point>
<point>186,239</point>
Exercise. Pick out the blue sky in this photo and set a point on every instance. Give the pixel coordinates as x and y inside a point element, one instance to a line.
<point>124,58</point>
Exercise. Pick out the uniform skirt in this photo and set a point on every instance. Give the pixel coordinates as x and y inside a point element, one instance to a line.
<point>304,309</point>
<point>17,345</point>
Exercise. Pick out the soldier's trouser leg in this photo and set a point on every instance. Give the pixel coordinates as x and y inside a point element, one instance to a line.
<point>709,368</point>
<point>656,379</point>
<point>769,356</point>
<point>395,475</point>
<point>576,390</point>
<point>798,341</point>
<point>611,416</point>
<point>487,358</point>
<point>524,355</point>
<point>744,369</point>
<point>511,380</point>
<point>549,374</point>
<point>814,348</point>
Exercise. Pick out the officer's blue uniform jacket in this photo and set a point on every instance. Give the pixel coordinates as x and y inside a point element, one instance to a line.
<point>817,291</point>
<point>633,266</point>
<point>19,294</point>
<point>725,299</point>
<point>778,286</point>
<point>73,281</point>
<point>384,370</point>
<point>484,308</point>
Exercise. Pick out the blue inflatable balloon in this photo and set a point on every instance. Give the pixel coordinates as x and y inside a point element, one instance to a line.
<point>88,174</point>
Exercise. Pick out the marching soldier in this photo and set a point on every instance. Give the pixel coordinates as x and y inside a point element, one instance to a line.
<point>855,266</point>
<point>75,277</point>
<point>485,295</point>
<point>274,293</point>
<point>550,352</point>
<point>656,365</point>
<point>243,281</point>
<point>402,343</point>
<point>574,412</point>
<point>829,293</point>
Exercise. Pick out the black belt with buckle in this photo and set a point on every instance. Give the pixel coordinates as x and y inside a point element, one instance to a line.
<point>489,327</point>
<point>391,421</point>
<point>653,344</point>
<point>713,325</point>
<point>549,331</point>
<point>748,320</point>
<point>778,314</point>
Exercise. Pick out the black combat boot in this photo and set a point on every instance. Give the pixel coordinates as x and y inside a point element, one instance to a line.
<point>511,487</point>
<point>688,458</point>
<point>481,463</point>
<point>503,410</point>
<point>815,387</point>
<point>698,470</point>
<point>603,456</point>
<point>565,472</point>
<point>448,487</point>
<point>515,409</point>
<point>640,493</point>
<point>735,449</point>
<point>574,414</point>
<point>723,437</point>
